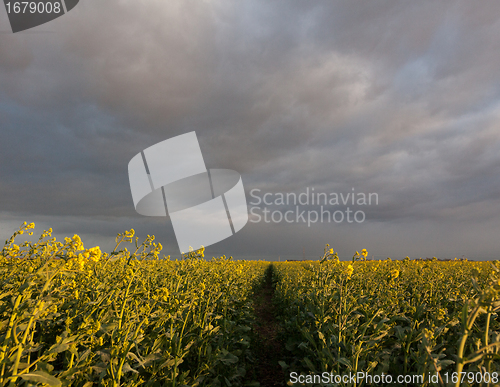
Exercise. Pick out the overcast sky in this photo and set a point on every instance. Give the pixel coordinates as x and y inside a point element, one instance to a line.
<point>396,98</point>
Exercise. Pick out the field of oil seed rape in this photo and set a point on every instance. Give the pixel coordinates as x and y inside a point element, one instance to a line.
<point>393,317</point>
<point>72,316</point>
<point>75,316</point>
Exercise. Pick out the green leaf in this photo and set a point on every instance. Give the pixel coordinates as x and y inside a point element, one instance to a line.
<point>445,363</point>
<point>127,368</point>
<point>42,377</point>
<point>283,364</point>
<point>60,347</point>
<point>43,366</point>
<point>229,358</point>
<point>309,364</point>
<point>345,362</point>
<point>108,328</point>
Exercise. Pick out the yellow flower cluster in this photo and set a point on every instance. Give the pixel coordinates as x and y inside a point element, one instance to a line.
<point>349,271</point>
<point>200,253</point>
<point>12,252</point>
<point>362,256</point>
<point>72,245</point>
<point>26,227</point>
<point>94,254</point>
<point>82,259</point>
<point>329,255</point>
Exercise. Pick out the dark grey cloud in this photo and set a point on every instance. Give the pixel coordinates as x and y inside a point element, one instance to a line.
<point>401,99</point>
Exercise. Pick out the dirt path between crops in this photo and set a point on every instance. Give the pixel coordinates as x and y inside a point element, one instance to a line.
<point>268,347</point>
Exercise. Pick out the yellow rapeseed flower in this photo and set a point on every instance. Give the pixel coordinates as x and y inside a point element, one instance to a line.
<point>77,241</point>
<point>349,271</point>
<point>95,253</point>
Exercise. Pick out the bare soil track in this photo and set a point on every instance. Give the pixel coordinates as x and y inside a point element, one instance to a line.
<point>268,347</point>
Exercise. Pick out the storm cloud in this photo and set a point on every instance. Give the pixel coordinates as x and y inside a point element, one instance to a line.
<point>397,98</point>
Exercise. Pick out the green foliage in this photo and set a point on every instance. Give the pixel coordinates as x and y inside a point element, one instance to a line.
<point>71,316</point>
<point>393,317</point>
